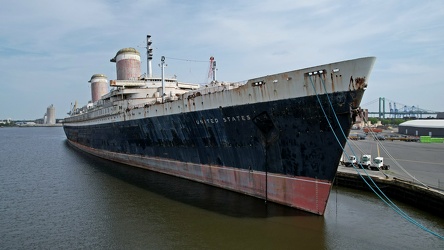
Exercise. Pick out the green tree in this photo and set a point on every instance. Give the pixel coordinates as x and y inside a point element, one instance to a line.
<point>373,120</point>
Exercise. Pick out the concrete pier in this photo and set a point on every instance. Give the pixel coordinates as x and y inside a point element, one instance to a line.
<point>426,198</point>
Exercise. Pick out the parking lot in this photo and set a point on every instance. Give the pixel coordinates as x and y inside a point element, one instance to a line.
<point>424,161</point>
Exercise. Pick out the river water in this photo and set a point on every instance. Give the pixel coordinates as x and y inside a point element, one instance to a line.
<point>55,197</point>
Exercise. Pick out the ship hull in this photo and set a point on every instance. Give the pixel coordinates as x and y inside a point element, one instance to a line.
<point>304,193</point>
<point>278,137</point>
<point>283,151</point>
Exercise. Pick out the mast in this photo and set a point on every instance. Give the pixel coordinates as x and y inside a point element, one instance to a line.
<point>212,71</point>
<point>149,54</point>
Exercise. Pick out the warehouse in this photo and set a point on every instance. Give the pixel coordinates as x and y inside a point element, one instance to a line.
<point>433,128</point>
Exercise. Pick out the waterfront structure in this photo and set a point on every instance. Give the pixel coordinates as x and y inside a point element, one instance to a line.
<point>49,116</point>
<point>427,127</point>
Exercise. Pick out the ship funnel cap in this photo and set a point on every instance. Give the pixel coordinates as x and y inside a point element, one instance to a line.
<point>97,76</point>
<point>125,50</point>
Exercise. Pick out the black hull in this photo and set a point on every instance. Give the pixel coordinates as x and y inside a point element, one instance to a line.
<point>291,137</point>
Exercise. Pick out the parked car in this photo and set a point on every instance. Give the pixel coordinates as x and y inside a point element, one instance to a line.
<point>361,136</point>
<point>379,137</point>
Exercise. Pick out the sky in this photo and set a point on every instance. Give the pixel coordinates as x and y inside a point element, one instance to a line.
<point>49,49</point>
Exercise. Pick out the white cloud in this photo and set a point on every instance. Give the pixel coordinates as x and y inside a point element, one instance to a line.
<point>58,45</point>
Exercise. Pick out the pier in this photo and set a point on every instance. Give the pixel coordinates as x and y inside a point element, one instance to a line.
<point>416,174</point>
<point>427,199</point>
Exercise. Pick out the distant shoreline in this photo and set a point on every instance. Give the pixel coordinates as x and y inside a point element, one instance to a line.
<point>33,125</point>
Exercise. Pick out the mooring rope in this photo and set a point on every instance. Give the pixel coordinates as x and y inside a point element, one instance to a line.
<point>386,200</point>
<point>392,158</point>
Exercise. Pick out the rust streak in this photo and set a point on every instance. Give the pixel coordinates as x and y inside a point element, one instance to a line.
<point>360,83</point>
<point>332,83</point>
<point>351,86</point>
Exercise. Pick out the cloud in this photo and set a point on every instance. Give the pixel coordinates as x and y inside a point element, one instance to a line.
<point>50,49</point>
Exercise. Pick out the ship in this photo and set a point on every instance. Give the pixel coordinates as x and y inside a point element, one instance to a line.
<point>277,137</point>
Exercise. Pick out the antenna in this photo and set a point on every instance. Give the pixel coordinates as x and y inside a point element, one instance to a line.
<point>162,65</point>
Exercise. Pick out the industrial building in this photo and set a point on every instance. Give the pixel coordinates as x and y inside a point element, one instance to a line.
<point>49,117</point>
<point>434,128</point>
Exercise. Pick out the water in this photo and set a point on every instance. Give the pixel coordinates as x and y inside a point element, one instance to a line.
<point>53,196</point>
